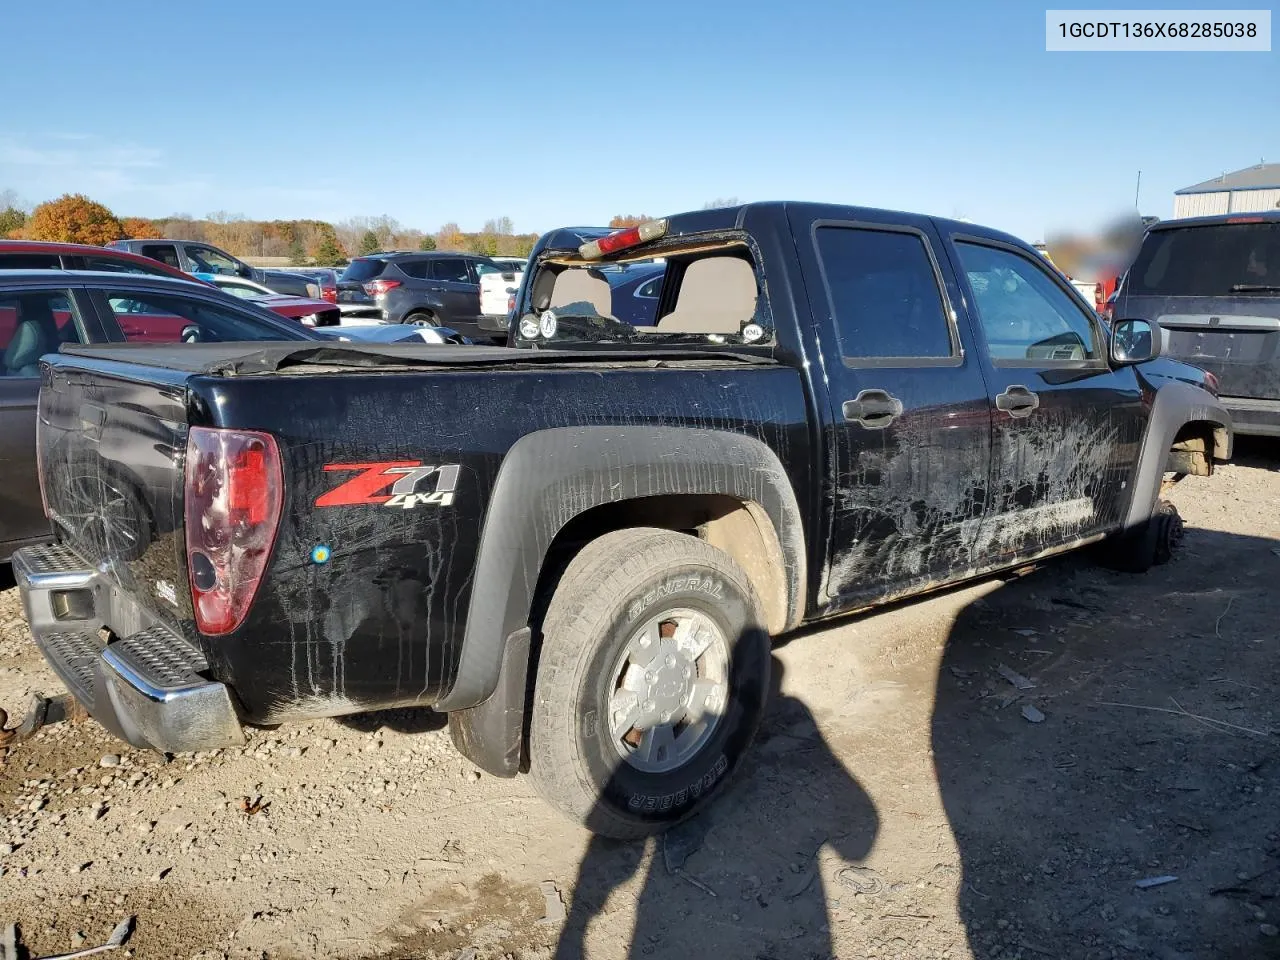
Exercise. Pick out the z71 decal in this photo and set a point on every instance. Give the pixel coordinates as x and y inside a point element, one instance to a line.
<point>391,484</point>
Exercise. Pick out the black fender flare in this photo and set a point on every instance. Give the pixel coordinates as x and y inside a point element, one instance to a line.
<point>551,476</point>
<point>1176,404</point>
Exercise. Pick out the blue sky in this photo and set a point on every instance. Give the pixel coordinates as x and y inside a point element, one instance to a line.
<point>568,113</point>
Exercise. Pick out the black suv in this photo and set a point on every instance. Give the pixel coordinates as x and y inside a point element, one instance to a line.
<point>439,289</point>
<point>1213,286</point>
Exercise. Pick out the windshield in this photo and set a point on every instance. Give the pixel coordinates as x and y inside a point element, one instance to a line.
<point>365,268</point>
<point>706,298</point>
<point>1216,261</point>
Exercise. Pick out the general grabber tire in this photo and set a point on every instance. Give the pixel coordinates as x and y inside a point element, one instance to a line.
<point>661,631</point>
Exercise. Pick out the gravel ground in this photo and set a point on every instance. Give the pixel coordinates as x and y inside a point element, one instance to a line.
<point>907,798</point>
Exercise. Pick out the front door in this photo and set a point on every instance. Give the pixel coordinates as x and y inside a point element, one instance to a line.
<point>909,424</point>
<point>1066,427</point>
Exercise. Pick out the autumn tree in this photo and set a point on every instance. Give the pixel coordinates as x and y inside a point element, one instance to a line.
<point>140,228</point>
<point>73,218</point>
<point>369,243</point>
<point>427,243</point>
<point>450,237</point>
<point>627,220</point>
<point>297,252</point>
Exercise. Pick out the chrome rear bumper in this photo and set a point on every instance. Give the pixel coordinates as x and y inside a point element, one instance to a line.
<point>148,687</point>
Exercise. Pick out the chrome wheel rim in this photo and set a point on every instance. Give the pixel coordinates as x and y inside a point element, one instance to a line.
<point>668,690</point>
<point>421,322</point>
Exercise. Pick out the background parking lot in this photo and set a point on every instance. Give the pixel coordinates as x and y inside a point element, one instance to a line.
<point>901,802</point>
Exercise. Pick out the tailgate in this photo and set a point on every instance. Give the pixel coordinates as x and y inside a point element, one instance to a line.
<point>1235,338</point>
<point>111,444</point>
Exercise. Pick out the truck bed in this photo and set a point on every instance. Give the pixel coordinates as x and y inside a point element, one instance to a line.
<point>249,359</point>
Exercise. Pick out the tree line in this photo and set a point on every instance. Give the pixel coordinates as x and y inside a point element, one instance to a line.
<point>74,218</point>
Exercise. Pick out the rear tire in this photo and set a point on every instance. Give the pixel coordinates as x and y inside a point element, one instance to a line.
<point>672,595</point>
<point>1152,544</point>
<point>419,318</point>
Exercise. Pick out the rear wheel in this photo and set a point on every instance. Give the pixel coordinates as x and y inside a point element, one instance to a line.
<point>420,318</point>
<point>652,681</point>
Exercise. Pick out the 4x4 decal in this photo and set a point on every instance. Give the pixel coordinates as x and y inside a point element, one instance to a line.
<point>392,483</point>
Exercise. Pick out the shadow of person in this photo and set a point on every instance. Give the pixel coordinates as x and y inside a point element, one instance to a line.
<point>1149,759</point>
<point>748,876</point>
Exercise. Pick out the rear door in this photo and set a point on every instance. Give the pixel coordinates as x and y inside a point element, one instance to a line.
<point>452,280</point>
<point>910,424</point>
<point>1066,427</point>
<point>1215,291</point>
<point>32,322</point>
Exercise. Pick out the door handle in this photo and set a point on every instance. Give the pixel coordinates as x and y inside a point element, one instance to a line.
<point>873,409</point>
<point>1017,401</point>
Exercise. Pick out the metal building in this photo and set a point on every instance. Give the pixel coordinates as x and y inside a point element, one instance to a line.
<point>1251,190</point>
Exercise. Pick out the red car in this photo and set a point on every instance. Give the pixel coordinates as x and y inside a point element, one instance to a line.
<point>42,255</point>
<point>312,313</point>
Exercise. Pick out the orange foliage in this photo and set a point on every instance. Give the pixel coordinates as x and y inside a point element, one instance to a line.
<point>140,228</point>
<point>628,220</point>
<point>73,218</point>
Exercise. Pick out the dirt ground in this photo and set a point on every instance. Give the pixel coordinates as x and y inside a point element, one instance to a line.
<point>907,799</point>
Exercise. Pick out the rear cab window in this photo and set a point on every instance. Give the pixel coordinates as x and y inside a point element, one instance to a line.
<point>1213,260</point>
<point>697,290</point>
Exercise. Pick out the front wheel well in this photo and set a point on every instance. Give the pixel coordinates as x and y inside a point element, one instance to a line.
<point>1195,447</point>
<point>742,529</point>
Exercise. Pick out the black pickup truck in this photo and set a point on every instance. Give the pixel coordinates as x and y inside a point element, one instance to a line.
<point>578,545</point>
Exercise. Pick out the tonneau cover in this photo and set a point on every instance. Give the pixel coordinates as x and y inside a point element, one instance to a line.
<point>247,359</point>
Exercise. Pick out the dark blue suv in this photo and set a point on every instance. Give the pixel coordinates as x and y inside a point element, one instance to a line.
<point>440,289</point>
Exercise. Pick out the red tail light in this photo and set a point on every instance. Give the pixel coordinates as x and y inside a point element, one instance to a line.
<point>329,294</point>
<point>622,239</point>
<point>1211,383</point>
<point>234,493</point>
<point>511,303</point>
<point>378,288</point>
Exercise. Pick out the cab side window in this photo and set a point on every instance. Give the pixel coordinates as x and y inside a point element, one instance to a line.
<point>1025,314</point>
<point>35,323</point>
<point>884,294</point>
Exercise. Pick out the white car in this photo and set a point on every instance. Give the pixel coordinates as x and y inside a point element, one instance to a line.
<point>497,287</point>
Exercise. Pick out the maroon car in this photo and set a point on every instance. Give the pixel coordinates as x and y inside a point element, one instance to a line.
<point>43,255</point>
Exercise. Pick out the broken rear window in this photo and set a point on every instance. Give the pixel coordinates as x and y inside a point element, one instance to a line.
<point>709,296</point>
